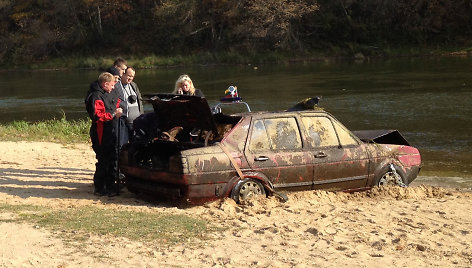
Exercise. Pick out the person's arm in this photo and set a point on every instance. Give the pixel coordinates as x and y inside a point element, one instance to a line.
<point>118,91</point>
<point>100,113</point>
<point>99,110</point>
<point>138,95</point>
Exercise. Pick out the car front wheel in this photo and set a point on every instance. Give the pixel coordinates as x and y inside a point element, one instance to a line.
<point>247,189</point>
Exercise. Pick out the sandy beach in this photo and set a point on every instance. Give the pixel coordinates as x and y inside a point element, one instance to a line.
<point>417,226</point>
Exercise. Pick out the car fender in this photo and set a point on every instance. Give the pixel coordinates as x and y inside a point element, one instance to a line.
<point>387,162</point>
<point>262,178</point>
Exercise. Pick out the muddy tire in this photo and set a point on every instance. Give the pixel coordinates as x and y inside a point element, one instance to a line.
<point>247,189</point>
<point>389,177</point>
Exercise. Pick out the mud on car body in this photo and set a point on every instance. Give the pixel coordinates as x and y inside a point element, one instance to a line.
<point>212,156</point>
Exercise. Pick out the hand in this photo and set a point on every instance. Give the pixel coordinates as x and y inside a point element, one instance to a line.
<point>118,112</point>
<point>179,91</point>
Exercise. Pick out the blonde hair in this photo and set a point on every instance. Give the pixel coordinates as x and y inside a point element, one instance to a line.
<point>105,77</point>
<point>179,83</point>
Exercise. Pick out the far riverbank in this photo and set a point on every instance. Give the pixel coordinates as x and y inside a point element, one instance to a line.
<point>150,61</point>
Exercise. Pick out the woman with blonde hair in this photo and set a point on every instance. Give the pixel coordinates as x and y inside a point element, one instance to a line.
<point>184,86</point>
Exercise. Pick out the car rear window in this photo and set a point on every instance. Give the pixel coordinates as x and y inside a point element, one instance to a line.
<point>321,132</point>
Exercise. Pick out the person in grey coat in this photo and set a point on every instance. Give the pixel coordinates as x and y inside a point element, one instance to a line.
<point>132,104</point>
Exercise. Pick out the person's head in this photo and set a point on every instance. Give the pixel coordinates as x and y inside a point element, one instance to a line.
<point>128,76</point>
<point>115,72</point>
<point>120,65</point>
<point>184,85</point>
<point>107,81</point>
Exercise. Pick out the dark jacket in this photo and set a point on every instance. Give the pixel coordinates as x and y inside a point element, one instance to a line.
<point>197,93</point>
<point>134,86</point>
<point>101,107</point>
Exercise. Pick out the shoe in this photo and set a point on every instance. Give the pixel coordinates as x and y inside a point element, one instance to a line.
<point>120,182</point>
<point>111,194</point>
<point>121,186</point>
<point>99,193</point>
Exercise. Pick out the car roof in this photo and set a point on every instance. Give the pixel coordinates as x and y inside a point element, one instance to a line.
<point>316,111</point>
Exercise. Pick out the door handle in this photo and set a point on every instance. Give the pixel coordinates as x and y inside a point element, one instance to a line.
<point>320,155</point>
<point>261,158</point>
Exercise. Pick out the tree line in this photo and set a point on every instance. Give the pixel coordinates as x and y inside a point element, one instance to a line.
<point>33,30</point>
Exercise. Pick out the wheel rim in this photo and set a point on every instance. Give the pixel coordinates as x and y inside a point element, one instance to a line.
<point>389,178</point>
<point>250,189</point>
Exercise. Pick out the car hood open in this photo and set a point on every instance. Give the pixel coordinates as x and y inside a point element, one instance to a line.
<point>181,110</point>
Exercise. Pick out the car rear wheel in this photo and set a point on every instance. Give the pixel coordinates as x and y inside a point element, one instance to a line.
<point>247,189</point>
<point>391,175</point>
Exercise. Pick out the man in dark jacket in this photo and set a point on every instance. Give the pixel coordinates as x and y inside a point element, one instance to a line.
<point>104,110</point>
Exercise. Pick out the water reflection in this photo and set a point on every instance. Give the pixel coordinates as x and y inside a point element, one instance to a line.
<point>428,100</point>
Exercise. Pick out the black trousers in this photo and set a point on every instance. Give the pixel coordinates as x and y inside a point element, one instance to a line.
<point>104,179</point>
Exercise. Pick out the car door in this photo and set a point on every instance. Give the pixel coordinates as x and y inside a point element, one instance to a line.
<point>340,160</point>
<point>275,149</point>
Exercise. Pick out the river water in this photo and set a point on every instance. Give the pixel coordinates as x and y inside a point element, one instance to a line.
<point>427,99</point>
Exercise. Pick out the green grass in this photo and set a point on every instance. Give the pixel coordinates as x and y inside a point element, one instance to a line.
<point>137,226</point>
<point>159,61</point>
<point>326,53</point>
<point>56,130</point>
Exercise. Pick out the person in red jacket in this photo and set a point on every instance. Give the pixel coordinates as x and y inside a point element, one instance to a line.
<point>104,110</point>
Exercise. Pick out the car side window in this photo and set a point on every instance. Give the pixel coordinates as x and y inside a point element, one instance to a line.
<point>320,131</point>
<point>259,140</point>
<point>283,133</point>
<point>345,136</point>
<point>275,134</point>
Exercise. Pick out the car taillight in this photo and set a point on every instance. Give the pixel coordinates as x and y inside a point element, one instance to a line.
<point>178,164</point>
<point>409,156</point>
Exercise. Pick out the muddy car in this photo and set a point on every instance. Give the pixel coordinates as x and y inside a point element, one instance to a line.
<point>184,151</point>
